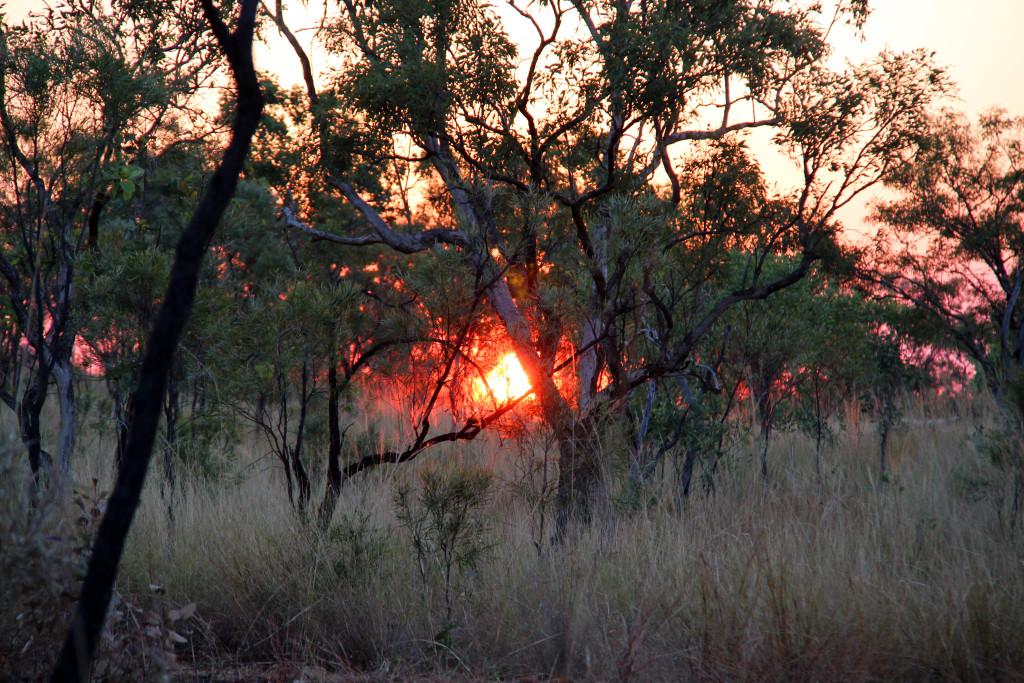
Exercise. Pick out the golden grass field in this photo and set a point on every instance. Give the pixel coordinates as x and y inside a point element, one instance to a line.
<point>846,575</point>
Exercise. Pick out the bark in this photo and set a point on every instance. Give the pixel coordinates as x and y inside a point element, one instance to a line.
<point>167,483</point>
<point>301,478</point>
<point>124,410</point>
<point>76,657</point>
<point>686,475</point>
<point>765,410</point>
<point>32,401</point>
<point>99,203</point>
<point>581,493</point>
<point>333,488</point>
<point>68,421</point>
<point>883,432</point>
<point>580,481</point>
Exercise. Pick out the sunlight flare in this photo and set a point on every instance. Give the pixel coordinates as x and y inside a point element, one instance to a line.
<point>506,380</point>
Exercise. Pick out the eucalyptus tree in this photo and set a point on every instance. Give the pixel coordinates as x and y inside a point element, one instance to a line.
<point>804,351</point>
<point>558,168</point>
<point>84,88</point>
<point>951,244</point>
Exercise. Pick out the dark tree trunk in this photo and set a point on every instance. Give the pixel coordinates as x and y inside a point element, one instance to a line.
<point>686,475</point>
<point>32,401</point>
<point>301,478</point>
<point>124,411</point>
<point>333,488</point>
<point>167,483</point>
<point>99,203</point>
<point>581,491</point>
<point>884,427</point>
<point>764,452</point>
<point>765,412</point>
<point>76,657</point>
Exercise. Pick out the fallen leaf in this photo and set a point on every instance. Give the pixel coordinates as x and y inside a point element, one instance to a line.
<point>182,612</point>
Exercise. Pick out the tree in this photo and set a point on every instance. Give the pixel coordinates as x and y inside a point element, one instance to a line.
<point>806,350</point>
<point>83,90</point>
<point>951,245</point>
<point>75,662</point>
<point>562,187</point>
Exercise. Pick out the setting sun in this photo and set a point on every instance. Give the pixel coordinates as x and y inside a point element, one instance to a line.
<point>506,380</point>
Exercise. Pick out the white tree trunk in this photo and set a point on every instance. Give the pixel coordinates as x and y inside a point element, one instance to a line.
<point>68,418</point>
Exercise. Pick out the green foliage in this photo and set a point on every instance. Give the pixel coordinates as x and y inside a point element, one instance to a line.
<point>361,548</point>
<point>443,518</point>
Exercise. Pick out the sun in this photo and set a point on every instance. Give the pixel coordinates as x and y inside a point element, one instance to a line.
<point>506,380</point>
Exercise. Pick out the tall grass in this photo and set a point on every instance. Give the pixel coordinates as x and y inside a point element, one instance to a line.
<point>842,575</point>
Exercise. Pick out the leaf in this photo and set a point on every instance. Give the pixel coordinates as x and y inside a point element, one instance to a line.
<point>182,612</point>
<point>151,617</point>
<point>127,187</point>
<point>177,637</point>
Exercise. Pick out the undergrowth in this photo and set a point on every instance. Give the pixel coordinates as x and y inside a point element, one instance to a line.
<point>438,569</point>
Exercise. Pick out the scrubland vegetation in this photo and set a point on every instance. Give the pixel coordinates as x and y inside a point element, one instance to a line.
<point>500,347</point>
<point>843,575</point>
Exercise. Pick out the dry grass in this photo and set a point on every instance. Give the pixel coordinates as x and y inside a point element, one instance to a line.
<point>844,575</point>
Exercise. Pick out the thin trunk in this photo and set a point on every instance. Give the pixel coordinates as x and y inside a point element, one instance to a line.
<point>818,425</point>
<point>883,431</point>
<point>32,402</point>
<point>765,410</point>
<point>333,488</point>
<point>124,412</point>
<point>288,482</point>
<point>686,476</point>
<point>1004,329</point>
<point>636,467</point>
<point>817,450</point>
<point>296,453</point>
<point>764,453</point>
<point>68,422</point>
<point>93,236</point>
<point>167,482</point>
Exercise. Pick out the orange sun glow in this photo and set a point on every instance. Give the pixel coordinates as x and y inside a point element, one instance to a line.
<point>506,380</point>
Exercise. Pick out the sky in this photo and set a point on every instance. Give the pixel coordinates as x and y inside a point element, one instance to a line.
<point>980,42</point>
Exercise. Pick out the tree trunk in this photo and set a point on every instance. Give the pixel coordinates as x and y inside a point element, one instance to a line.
<point>765,411</point>
<point>76,657</point>
<point>167,482</point>
<point>686,475</point>
<point>32,401</point>
<point>301,477</point>
<point>333,488</point>
<point>68,422</point>
<point>884,426</point>
<point>580,480</point>
<point>764,453</point>
<point>124,412</point>
<point>581,490</point>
